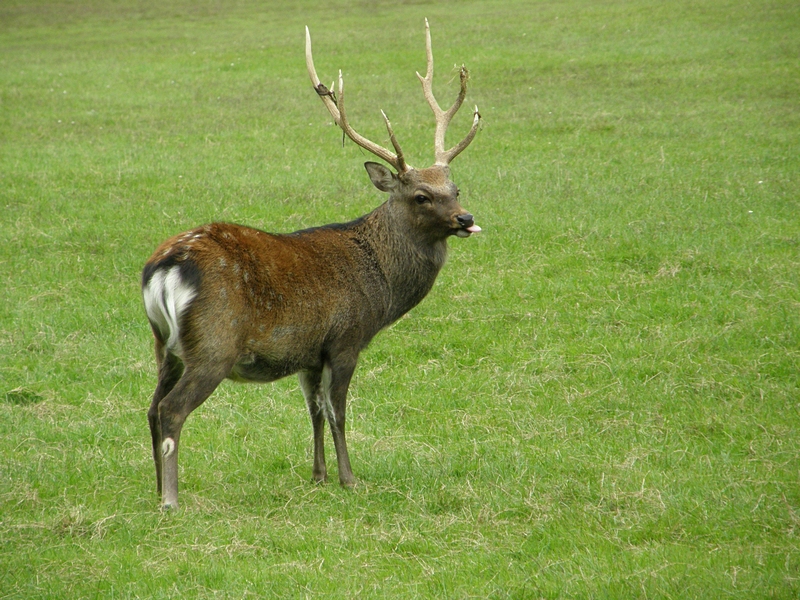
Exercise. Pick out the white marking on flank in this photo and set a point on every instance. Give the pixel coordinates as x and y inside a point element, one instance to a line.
<point>166,296</point>
<point>167,447</point>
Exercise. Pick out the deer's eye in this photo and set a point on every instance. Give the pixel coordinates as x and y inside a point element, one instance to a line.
<point>420,199</point>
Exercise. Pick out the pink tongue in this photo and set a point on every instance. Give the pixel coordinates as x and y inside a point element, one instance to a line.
<point>473,229</point>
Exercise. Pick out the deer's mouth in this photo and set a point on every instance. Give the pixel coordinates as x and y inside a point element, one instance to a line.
<point>467,231</point>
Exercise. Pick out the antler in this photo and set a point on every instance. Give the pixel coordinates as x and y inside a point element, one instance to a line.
<point>443,118</point>
<point>336,107</point>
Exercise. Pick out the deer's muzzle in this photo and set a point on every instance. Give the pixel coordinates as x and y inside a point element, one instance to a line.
<point>467,223</point>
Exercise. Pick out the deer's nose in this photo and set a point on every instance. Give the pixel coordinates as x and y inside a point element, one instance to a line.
<point>465,220</point>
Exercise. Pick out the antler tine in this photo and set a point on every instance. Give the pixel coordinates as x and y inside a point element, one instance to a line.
<point>443,118</point>
<point>335,106</point>
<point>458,148</point>
<point>400,158</point>
<point>324,93</point>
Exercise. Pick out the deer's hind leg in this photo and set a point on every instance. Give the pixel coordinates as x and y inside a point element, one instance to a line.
<point>170,369</point>
<point>189,392</point>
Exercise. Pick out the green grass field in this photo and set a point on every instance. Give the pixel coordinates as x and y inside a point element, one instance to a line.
<point>598,399</point>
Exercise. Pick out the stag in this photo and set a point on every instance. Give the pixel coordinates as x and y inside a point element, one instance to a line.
<point>229,301</point>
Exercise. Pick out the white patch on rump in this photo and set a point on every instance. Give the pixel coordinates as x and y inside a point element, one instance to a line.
<point>166,296</point>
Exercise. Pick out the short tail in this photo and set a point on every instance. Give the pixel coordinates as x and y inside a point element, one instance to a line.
<point>167,293</point>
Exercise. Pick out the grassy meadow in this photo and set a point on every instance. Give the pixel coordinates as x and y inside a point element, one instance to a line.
<point>598,399</point>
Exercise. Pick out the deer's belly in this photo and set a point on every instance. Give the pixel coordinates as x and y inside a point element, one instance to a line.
<point>256,368</point>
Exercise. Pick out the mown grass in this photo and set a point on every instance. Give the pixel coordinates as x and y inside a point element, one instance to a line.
<point>598,399</point>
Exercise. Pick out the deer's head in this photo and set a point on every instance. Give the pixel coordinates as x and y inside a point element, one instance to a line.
<point>427,197</point>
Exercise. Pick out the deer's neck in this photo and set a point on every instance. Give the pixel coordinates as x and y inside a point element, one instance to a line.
<point>409,264</point>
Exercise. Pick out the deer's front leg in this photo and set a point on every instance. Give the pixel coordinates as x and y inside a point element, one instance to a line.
<point>336,377</point>
<point>311,384</point>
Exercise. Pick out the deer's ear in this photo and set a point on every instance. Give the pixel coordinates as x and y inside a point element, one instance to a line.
<point>381,177</point>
